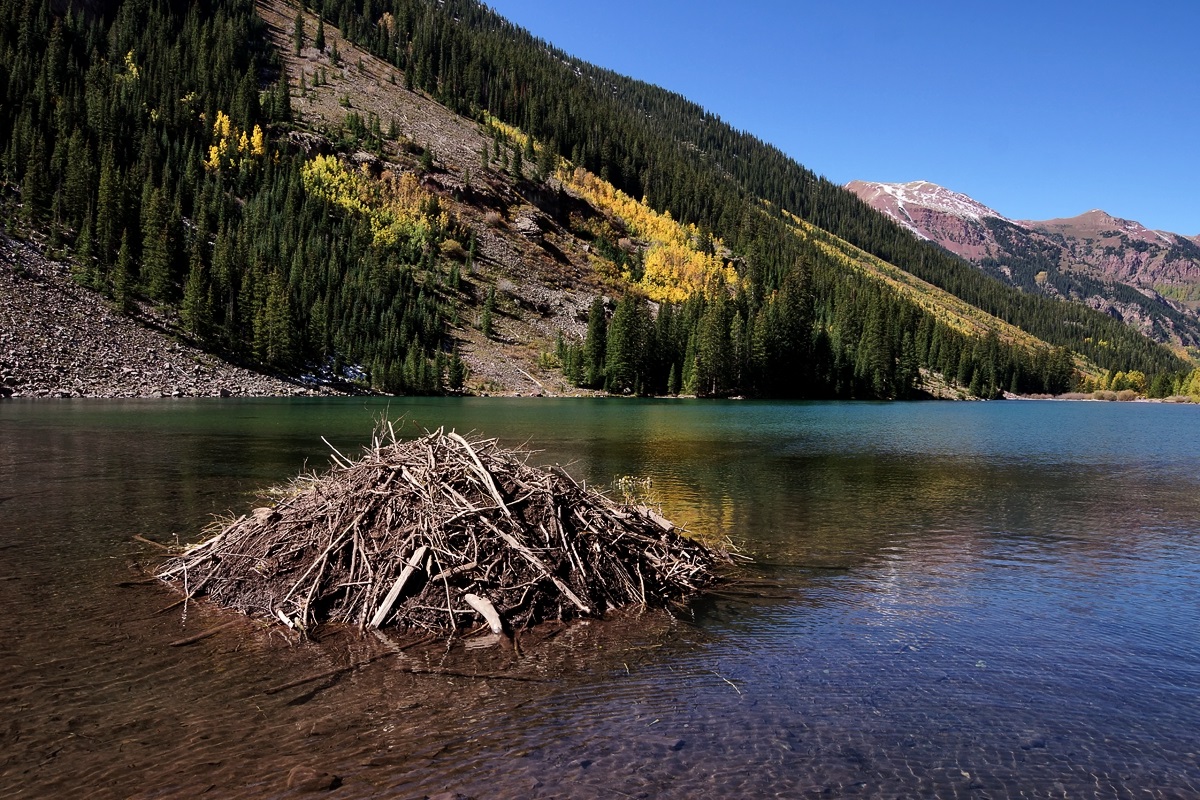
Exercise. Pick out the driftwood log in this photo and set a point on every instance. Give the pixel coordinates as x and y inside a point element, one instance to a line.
<point>436,534</point>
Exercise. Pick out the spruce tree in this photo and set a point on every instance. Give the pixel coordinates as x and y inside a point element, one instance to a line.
<point>625,354</point>
<point>298,33</point>
<point>673,381</point>
<point>122,275</point>
<point>196,310</point>
<point>35,190</point>
<point>79,180</point>
<point>108,209</point>
<point>83,266</point>
<point>156,257</point>
<point>594,346</point>
<point>713,350</point>
<point>456,376</point>
<point>547,161</point>
<point>485,317</point>
<point>279,337</point>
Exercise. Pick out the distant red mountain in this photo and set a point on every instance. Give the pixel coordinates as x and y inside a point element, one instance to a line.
<point>1148,278</point>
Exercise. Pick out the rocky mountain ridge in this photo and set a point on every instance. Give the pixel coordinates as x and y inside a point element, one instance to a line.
<point>1148,278</point>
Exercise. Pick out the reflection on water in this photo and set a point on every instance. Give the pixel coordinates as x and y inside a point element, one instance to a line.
<point>973,599</point>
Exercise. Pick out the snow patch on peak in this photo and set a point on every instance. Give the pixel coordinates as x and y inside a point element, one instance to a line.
<point>926,194</point>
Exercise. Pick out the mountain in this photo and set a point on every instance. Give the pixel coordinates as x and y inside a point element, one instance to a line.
<point>953,220</point>
<point>1148,278</point>
<point>1124,250</point>
<point>426,199</point>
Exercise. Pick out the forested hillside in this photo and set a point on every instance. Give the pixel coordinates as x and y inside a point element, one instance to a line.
<point>144,139</point>
<point>151,142</point>
<point>651,142</point>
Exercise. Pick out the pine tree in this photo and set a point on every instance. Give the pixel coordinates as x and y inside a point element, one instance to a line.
<point>196,310</point>
<point>156,256</point>
<point>319,41</point>
<point>485,317</point>
<point>517,163</point>
<point>122,276</point>
<point>625,348</point>
<point>298,33</point>
<point>594,345</point>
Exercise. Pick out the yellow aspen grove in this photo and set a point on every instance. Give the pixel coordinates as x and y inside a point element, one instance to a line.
<point>229,140</point>
<point>674,268</point>
<point>392,204</point>
<point>258,142</point>
<point>222,126</point>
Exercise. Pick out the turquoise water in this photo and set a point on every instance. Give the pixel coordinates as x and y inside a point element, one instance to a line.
<point>984,599</point>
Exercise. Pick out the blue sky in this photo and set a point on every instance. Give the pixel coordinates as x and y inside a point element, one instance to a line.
<point>1039,110</point>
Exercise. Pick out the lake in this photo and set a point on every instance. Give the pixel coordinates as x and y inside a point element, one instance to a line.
<point>945,600</point>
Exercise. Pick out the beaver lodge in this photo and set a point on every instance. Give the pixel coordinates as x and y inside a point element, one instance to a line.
<point>437,535</point>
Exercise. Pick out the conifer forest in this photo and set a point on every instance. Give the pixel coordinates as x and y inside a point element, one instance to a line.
<point>148,142</point>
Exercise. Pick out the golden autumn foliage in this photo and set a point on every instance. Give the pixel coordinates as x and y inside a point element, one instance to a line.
<point>1119,381</point>
<point>674,268</point>
<point>510,132</point>
<point>233,148</point>
<point>674,265</point>
<point>394,205</point>
<point>132,72</point>
<point>1190,386</point>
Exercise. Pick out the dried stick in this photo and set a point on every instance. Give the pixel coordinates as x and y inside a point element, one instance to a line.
<point>486,610</point>
<point>386,606</point>
<point>483,473</point>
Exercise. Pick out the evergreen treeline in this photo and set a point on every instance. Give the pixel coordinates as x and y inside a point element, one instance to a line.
<point>138,135</point>
<point>852,339</point>
<point>653,143</point>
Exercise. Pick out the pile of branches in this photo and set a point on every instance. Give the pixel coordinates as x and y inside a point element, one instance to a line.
<point>436,533</point>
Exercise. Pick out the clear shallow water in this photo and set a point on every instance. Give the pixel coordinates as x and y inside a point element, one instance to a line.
<point>983,600</point>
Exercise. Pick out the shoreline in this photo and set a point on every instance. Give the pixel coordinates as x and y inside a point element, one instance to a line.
<point>59,340</point>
